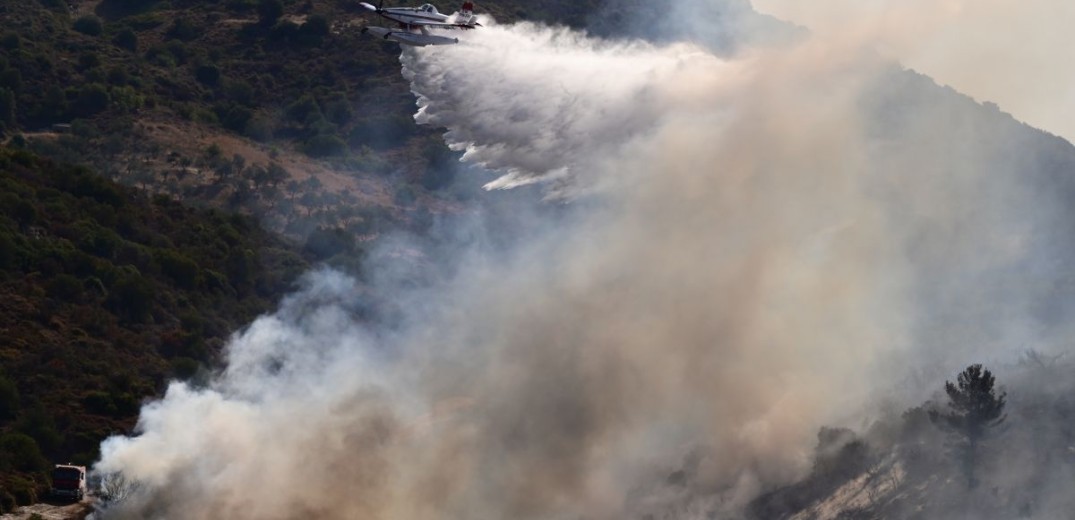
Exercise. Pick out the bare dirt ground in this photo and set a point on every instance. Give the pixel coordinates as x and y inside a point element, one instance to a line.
<point>191,139</point>
<point>52,511</point>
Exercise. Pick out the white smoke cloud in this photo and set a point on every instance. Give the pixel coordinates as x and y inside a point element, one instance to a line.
<point>564,101</point>
<point>757,243</point>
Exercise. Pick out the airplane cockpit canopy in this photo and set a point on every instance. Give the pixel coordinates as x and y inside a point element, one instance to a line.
<point>427,8</point>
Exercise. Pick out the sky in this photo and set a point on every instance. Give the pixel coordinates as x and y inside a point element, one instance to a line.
<point>1016,54</point>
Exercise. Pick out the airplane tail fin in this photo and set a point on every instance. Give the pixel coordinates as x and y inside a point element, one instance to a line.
<point>468,8</point>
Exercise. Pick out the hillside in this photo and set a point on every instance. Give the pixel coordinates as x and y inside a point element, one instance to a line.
<point>906,466</point>
<point>272,109</point>
<point>264,114</point>
<point>169,168</point>
<point>123,88</point>
<point>105,295</point>
<point>901,464</point>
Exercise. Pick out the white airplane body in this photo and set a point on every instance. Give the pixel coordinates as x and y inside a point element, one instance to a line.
<point>415,22</point>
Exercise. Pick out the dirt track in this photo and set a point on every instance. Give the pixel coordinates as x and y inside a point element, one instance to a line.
<point>52,511</point>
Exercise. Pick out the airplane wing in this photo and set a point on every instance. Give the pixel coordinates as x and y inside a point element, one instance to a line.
<point>444,25</point>
<point>409,38</point>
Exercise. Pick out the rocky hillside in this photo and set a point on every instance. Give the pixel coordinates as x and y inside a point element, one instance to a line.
<point>908,466</point>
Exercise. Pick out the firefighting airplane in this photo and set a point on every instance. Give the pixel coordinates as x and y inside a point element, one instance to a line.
<point>415,22</point>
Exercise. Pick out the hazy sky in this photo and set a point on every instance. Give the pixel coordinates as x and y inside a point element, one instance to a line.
<point>1014,53</point>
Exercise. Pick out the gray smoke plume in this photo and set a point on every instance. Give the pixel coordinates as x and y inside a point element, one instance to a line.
<point>758,245</point>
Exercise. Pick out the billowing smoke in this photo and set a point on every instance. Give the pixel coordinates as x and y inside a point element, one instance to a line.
<point>754,246</point>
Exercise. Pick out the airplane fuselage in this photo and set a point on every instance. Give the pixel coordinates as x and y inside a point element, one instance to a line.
<point>412,16</point>
<point>415,23</point>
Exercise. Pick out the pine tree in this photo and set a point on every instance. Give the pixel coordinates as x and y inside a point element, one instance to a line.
<point>974,408</point>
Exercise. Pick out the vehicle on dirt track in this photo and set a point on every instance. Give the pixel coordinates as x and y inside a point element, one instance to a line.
<point>69,482</point>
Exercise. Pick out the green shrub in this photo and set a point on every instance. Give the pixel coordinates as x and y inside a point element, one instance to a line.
<point>39,424</point>
<point>99,403</point>
<point>313,32</point>
<point>207,74</point>
<point>180,268</point>
<point>132,296</point>
<point>183,30</point>
<point>117,75</point>
<point>240,266</point>
<point>11,79</point>
<point>239,91</point>
<point>126,404</point>
<point>303,109</point>
<point>126,39</point>
<point>64,287</point>
<point>127,98</point>
<point>88,60</point>
<point>89,25</point>
<point>20,452</point>
<point>91,100</point>
<point>324,146</point>
<point>10,41</point>
<point>24,212</point>
<point>338,109</point>
<point>179,50</point>
<point>95,286</point>
<point>127,8</point>
<point>259,128</point>
<point>7,108</point>
<point>54,5</point>
<point>8,252</point>
<point>9,399</point>
<point>99,241</point>
<point>269,11</point>
<point>205,117</point>
<point>7,502</point>
<point>233,117</point>
<point>146,21</point>
<point>328,242</point>
<point>241,6</point>
<point>23,491</point>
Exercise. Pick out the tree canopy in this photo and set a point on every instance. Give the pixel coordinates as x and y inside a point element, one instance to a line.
<point>973,407</point>
<point>973,403</point>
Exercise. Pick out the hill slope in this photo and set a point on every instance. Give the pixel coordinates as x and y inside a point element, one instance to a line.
<point>105,295</point>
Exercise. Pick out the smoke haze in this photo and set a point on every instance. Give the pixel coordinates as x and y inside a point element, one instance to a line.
<point>1010,53</point>
<point>754,246</point>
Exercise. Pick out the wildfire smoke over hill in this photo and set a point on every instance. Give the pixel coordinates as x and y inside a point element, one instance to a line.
<point>758,246</point>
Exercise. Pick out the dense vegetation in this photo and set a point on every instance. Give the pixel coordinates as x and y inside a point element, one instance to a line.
<point>118,118</point>
<point>299,82</point>
<point>105,295</point>
<point>286,77</point>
